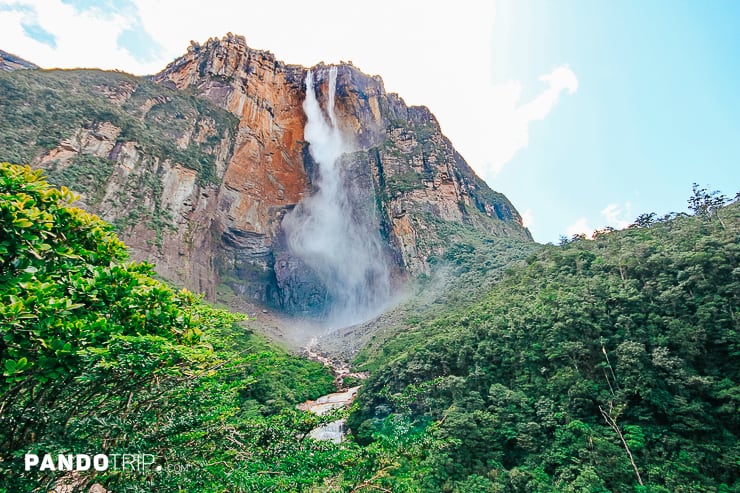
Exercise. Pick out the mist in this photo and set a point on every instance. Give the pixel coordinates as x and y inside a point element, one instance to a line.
<point>325,231</point>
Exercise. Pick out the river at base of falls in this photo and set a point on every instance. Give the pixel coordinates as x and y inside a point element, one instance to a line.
<point>335,430</point>
<point>343,398</point>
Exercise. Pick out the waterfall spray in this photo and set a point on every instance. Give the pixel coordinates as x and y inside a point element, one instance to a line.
<point>326,232</point>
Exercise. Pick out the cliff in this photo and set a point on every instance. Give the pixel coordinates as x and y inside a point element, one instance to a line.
<point>10,62</point>
<point>198,165</point>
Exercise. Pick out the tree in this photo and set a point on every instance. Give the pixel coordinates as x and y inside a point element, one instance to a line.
<point>644,220</point>
<point>705,204</point>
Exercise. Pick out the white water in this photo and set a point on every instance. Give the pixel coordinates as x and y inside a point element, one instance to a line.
<point>334,430</point>
<point>346,256</point>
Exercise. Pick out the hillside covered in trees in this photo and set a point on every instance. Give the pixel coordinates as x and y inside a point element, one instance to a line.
<point>604,365</point>
<point>600,365</point>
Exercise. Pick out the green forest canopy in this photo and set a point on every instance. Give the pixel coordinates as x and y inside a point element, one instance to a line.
<point>598,365</point>
<point>610,364</point>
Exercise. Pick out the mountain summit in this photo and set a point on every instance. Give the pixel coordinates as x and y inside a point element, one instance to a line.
<point>203,166</point>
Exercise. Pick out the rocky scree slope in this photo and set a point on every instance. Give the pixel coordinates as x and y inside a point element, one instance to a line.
<point>197,165</point>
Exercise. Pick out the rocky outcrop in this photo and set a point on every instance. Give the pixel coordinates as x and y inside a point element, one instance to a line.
<point>149,160</point>
<point>266,175</point>
<point>205,199</point>
<point>402,165</point>
<point>9,62</point>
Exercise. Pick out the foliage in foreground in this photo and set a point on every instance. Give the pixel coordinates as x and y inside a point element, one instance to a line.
<point>98,357</point>
<point>605,365</point>
<point>597,366</point>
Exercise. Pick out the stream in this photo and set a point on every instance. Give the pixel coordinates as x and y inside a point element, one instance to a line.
<point>342,398</point>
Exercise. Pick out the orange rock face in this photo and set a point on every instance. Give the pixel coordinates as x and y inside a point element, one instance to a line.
<point>403,167</point>
<point>206,206</point>
<point>266,169</point>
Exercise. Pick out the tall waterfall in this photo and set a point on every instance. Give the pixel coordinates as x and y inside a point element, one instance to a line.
<point>327,231</point>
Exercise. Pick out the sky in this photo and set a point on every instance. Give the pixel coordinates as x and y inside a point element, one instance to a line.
<point>585,113</point>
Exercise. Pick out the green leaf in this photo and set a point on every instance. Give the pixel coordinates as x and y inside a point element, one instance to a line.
<point>22,223</point>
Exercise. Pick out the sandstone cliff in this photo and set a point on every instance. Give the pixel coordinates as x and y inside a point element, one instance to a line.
<point>198,166</point>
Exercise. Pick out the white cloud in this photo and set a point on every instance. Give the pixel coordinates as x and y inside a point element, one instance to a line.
<point>559,80</point>
<point>579,227</point>
<point>616,215</point>
<point>83,39</point>
<point>528,218</point>
<point>511,120</point>
<point>436,54</point>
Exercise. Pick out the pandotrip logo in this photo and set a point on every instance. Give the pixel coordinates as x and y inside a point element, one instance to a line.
<point>136,462</point>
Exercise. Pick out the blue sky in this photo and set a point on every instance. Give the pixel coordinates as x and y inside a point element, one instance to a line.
<point>132,36</point>
<point>657,108</point>
<point>29,23</point>
<point>585,113</point>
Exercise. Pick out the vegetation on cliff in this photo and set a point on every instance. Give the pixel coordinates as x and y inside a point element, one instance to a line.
<point>196,167</point>
<point>42,108</point>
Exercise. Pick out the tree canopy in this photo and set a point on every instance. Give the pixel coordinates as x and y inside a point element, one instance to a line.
<point>603,365</point>
<point>610,364</point>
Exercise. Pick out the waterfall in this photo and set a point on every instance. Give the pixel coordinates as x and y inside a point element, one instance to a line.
<point>328,231</point>
<point>333,431</point>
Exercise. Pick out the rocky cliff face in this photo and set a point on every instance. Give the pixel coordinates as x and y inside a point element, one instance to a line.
<point>229,161</point>
<point>9,62</point>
